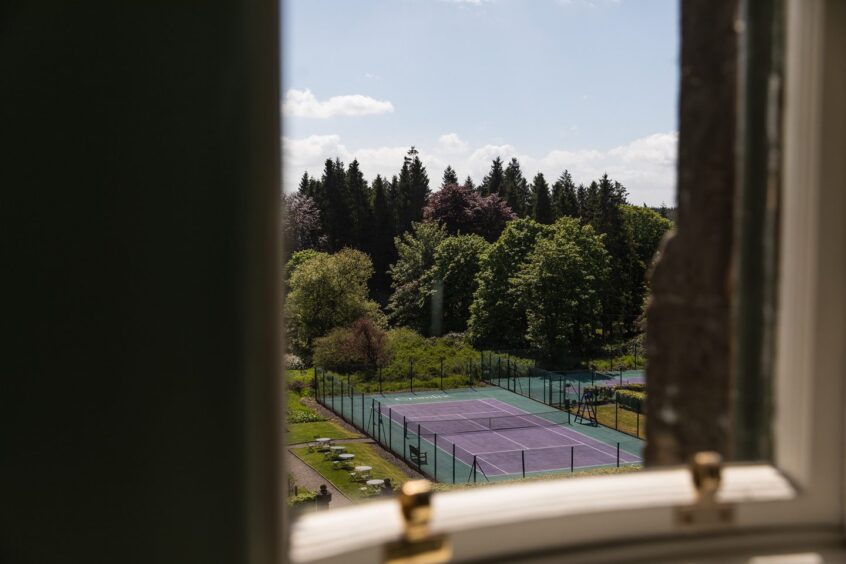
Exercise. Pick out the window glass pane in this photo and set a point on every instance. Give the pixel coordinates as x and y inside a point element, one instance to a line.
<point>475,193</point>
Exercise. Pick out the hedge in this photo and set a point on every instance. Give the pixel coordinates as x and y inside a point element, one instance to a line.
<point>631,399</point>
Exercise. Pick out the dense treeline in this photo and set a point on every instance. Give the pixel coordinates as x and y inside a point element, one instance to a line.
<point>514,264</point>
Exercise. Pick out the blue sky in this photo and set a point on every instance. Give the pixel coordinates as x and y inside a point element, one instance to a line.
<point>588,85</point>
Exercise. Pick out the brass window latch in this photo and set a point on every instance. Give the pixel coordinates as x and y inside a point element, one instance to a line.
<point>706,511</point>
<point>417,545</point>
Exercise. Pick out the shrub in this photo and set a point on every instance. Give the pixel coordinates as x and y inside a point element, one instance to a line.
<point>631,399</point>
<point>303,497</point>
<point>304,416</point>
<point>293,362</point>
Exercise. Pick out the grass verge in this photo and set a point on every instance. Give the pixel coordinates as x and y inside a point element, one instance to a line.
<point>304,432</point>
<point>625,420</point>
<point>365,455</point>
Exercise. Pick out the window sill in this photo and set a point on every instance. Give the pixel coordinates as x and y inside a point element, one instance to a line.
<point>535,516</point>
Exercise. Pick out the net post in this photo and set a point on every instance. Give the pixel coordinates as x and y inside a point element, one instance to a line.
<point>572,453</point>
<point>618,455</point>
<point>453,463</point>
<point>523,460</point>
<point>436,457</point>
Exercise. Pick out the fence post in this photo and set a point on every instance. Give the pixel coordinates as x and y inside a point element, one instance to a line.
<point>390,430</point>
<point>572,453</point>
<point>618,455</point>
<point>621,376</point>
<point>418,449</point>
<point>523,460</point>
<point>442,375</point>
<point>637,432</point>
<point>436,457</point>
<point>362,412</point>
<point>404,436</point>
<point>380,381</point>
<point>474,468</point>
<point>333,394</point>
<point>616,404</point>
<point>530,385</point>
<point>453,463</point>
<point>411,375</point>
<point>372,415</point>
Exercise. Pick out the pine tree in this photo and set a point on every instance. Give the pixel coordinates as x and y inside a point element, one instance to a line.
<point>542,211</point>
<point>358,202</point>
<point>581,200</point>
<point>449,177</point>
<point>468,183</point>
<point>492,183</point>
<point>564,198</point>
<point>333,204</point>
<point>303,187</point>
<point>382,241</point>
<point>413,190</point>
<point>515,189</point>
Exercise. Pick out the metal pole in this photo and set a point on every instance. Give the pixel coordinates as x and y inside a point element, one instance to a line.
<point>637,432</point>
<point>621,376</point>
<point>380,381</point>
<point>453,463</point>
<point>362,412</point>
<point>474,468</point>
<point>616,426</point>
<point>411,374</point>
<point>572,452</point>
<point>419,452</point>
<point>618,455</point>
<point>442,375</point>
<point>436,457</point>
<point>390,430</point>
<point>372,414</point>
<point>404,435</point>
<point>523,460</point>
<point>333,394</point>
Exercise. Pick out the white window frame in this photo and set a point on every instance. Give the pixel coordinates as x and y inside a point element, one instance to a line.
<point>802,495</point>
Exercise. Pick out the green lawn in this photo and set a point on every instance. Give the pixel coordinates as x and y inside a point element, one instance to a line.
<point>365,455</point>
<point>304,432</point>
<point>626,420</point>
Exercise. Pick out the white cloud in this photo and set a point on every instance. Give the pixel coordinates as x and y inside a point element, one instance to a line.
<point>372,76</point>
<point>451,143</point>
<point>645,166</point>
<point>302,103</point>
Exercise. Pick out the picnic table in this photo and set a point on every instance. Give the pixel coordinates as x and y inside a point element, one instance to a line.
<point>376,483</point>
<point>345,459</point>
<point>333,451</point>
<point>361,473</point>
<point>322,442</point>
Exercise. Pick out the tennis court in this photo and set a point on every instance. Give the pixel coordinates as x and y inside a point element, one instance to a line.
<point>477,433</point>
<point>500,439</point>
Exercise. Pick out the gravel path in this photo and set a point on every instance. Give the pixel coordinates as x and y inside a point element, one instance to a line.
<point>307,477</point>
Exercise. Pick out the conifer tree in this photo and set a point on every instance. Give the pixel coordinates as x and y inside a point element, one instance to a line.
<point>358,202</point>
<point>449,177</point>
<point>581,199</point>
<point>303,187</point>
<point>492,183</point>
<point>333,204</point>
<point>468,183</point>
<point>515,189</point>
<point>413,190</point>
<point>542,211</point>
<point>382,241</point>
<point>564,198</point>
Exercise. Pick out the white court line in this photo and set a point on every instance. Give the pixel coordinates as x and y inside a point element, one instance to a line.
<point>503,436</point>
<point>554,431</point>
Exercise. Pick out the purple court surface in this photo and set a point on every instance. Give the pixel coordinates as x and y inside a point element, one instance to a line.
<point>533,443</point>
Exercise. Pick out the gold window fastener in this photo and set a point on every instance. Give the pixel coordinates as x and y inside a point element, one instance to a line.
<point>417,545</point>
<point>706,511</point>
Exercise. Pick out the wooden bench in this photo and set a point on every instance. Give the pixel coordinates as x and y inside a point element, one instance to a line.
<point>417,457</point>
